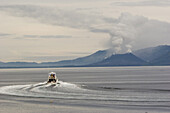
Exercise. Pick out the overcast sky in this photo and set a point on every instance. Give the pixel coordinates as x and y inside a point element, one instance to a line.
<point>53,30</point>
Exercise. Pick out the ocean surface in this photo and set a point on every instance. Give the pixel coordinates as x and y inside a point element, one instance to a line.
<point>86,90</point>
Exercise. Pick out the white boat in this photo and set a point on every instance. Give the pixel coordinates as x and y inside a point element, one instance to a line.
<point>52,78</point>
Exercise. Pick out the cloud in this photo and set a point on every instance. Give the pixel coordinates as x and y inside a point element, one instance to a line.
<point>46,36</point>
<point>4,34</point>
<point>158,3</point>
<point>53,16</point>
<point>127,32</point>
<point>46,1</point>
<point>47,58</point>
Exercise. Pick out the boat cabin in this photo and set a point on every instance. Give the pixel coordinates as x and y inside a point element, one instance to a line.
<point>52,78</point>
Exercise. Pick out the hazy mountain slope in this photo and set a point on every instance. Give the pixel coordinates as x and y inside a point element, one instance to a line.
<point>159,55</point>
<point>19,64</point>
<point>152,53</point>
<point>93,58</point>
<point>163,60</point>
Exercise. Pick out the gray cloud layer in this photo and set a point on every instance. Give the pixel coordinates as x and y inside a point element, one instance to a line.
<point>126,32</point>
<point>158,3</point>
<point>53,16</point>
<point>4,34</point>
<point>46,36</point>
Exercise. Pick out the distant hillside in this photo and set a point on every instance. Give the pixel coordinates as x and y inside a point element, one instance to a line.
<point>162,60</point>
<point>18,64</point>
<point>152,53</point>
<point>127,59</point>
<point>93,58</point>
<point>159,55</point>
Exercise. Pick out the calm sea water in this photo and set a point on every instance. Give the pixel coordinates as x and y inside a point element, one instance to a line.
<point>122,87</point>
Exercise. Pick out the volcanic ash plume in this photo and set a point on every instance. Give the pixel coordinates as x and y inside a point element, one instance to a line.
<point>123,33</point>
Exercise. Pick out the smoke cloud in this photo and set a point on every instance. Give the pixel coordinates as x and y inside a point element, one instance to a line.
<point>131,32</point>
<point>122,32</point>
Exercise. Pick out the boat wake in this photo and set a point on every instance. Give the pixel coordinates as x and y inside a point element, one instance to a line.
<point>69,91</point>
<point>44,90</point>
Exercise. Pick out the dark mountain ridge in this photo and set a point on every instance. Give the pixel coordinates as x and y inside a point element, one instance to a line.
<point>127,59</point>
